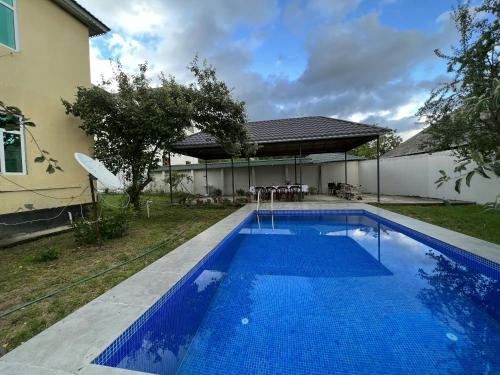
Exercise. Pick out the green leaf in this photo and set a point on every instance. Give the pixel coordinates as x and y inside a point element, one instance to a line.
<point>53,160</point>
<point>439,185</point>
<point>469,177</point>
<point>13,109</point>
<point>40,159</point>
<point>59,168</point>
<point>481,171</point>
<point>477,157</point>
<point>50,169</point>
<point>45,152</point>
<point>458,182</point>
<point>496,168</point>
<point>29,123</point>
<point>442,172</point>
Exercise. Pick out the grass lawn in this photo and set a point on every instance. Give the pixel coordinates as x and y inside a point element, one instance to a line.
<point>468,219</point>
<point>22,279</point>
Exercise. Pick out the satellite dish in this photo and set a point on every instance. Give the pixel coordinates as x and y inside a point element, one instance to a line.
<point>99,171</point>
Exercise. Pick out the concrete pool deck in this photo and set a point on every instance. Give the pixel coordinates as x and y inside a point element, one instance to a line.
<point>69,346</point>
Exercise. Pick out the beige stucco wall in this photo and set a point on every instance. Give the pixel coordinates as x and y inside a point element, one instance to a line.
<point>52,61</point>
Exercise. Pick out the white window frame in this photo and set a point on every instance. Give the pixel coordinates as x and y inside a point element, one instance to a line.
<point>16,26</point>
<point>23,150</point>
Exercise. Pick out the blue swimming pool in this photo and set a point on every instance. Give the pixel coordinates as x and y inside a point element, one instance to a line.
<point>322,292</point>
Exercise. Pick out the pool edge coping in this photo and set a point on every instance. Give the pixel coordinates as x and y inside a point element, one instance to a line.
<point>68,348</point>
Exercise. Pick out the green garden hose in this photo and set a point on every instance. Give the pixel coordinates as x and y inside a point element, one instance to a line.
<point>100,273</point>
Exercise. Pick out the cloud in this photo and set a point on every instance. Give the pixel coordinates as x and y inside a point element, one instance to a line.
<point>357,67</point>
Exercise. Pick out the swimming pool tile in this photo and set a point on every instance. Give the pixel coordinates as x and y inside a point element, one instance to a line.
<point>331,293</point>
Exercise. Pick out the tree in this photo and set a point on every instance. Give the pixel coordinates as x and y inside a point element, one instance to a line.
<point>387,142</point>
<point>11,118</point>
<point>135,125</point>
<point>464,113</point>
<point>216,112</point>
<point>132,126</point>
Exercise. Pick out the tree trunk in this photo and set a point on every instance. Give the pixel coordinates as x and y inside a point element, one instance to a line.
<point>135,189</point>
<point>134,195</point>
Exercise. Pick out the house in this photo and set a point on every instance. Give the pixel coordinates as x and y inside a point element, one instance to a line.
<point>44,56</point>
<point>420,143</point>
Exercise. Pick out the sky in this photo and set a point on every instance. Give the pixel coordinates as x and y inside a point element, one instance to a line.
<point>370,61</point>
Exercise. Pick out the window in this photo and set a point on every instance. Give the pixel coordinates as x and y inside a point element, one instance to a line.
<point>12,156</point>
<point>8,24</point>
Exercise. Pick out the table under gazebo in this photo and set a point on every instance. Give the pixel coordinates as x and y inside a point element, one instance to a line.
<point>285,137</point>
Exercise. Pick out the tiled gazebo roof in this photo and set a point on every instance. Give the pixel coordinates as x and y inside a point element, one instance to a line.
<point>287,136</point>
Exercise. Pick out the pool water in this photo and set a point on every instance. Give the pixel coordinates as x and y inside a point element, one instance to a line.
<point>322,293</point>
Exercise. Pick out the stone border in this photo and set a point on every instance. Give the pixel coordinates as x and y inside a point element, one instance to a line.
<point>68,347</point>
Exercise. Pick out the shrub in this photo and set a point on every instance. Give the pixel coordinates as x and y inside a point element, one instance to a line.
<point>240,192</point>
<point>313,190</point>
<point>183,196</point>
<point>45,255</point>
<point>216,193</point>
<point>240,201</point>
<point>114,224</point>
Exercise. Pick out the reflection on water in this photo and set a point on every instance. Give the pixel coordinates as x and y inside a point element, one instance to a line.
<point>339,294</point>
<point>458,295</point>
<point>207,278</point>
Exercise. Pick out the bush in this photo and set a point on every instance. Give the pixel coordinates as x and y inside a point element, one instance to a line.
<point>240,201</point>
<point>45,255</point>
<point>240,192</point>
<point>183,196</point>
<point>114,224</point>
<point>313,190</point>
<point>216,193</point>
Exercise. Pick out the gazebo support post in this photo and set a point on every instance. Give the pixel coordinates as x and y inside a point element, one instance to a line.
<point>300,171</point>
<point>249,173</point>
<point>232,175</point>
<point>206,176</point>
<point>378,169</point>
<point>170,178</point>
<point>295,170</point>
<point>345,167</point>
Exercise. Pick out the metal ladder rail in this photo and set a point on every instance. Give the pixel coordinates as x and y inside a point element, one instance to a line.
<point>258,206</point>
<point>272,207</point>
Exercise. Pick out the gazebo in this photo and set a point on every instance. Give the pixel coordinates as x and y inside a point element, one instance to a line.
<point>286,137</point>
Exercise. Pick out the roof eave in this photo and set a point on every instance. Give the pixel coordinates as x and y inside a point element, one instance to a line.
<point>95,26</point>
<point>285,140</point>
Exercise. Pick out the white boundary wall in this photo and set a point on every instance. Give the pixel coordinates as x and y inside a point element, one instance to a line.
<point>318,176</point>
<point>414,175</point>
